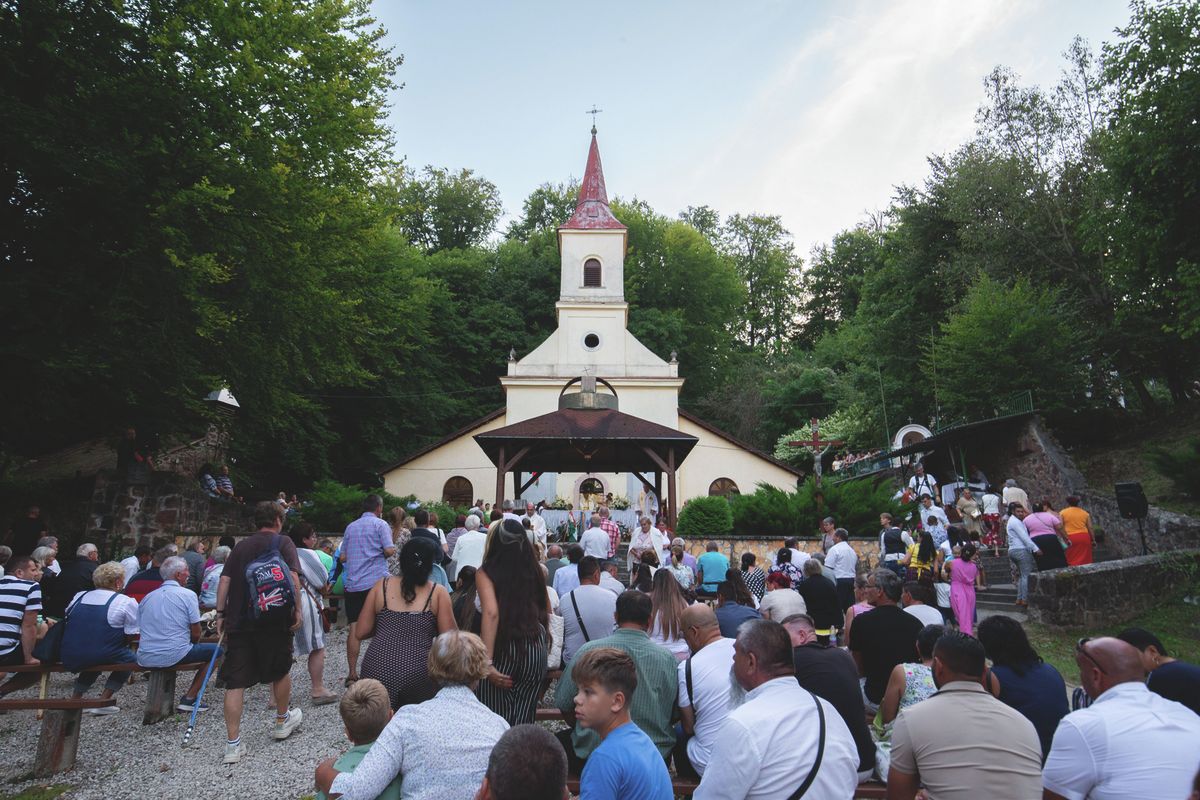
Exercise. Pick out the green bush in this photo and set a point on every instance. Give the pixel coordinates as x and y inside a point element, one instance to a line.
<point>1182,467</point>
<point>705,517</point>
<point>856,505</point>
<point>331,506</point>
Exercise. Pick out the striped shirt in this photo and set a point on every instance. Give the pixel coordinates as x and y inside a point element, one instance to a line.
<point>17,596</point>
<point>653,701</point>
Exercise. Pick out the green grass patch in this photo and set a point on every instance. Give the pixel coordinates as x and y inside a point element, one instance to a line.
<point>48,792</point>
<point>1177,624</point>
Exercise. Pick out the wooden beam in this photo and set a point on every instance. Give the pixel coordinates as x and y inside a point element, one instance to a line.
<point>656,458</point>
<point>532,480</point>
<point>671,509</point>
<point>499,477</point>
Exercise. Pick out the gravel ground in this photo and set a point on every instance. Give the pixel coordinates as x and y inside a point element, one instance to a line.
<point>121,758</point>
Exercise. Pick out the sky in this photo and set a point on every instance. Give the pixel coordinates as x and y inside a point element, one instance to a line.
<point>812,111</point>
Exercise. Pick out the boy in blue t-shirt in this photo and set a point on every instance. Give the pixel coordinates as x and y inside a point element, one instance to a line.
<point>626,765</point>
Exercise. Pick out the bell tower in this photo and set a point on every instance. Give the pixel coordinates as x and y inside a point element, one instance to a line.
<point>591,244</point>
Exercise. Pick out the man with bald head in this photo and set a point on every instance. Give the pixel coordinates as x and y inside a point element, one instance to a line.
<point>703,689</point>
<point>1129,742</point>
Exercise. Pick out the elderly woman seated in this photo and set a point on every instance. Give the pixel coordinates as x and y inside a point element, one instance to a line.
<point>99,624</point>
<point>439,748</point>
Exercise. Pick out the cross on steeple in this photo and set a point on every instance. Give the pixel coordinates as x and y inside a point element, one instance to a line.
<point>594,111</point>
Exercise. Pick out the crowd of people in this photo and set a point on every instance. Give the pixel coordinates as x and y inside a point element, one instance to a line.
<point>809,674</point>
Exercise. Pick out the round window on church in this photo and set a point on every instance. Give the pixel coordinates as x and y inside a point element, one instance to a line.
<point>591,341</point>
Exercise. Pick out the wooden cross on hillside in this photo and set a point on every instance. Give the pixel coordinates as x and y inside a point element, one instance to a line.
<point>818,446</point>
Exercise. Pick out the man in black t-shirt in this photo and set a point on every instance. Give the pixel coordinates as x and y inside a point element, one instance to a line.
<point>828,672</point>
<point>25,531</point>
<point>882,637</point>
<point>256,652</point>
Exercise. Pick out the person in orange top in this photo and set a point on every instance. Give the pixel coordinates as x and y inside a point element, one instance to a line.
<point>1077,524</point>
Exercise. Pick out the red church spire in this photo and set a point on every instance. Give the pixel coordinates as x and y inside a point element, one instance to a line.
<point>591,210</point>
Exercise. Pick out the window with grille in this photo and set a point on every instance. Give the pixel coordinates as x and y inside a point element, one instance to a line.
<point>591,273</point>
<point>722,487</point>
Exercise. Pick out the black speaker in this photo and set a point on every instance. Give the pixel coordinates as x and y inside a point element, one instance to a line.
<point>1131,500</point>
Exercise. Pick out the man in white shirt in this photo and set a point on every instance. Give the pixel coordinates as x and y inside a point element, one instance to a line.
<point>767,747</point>
<point>137,562</point>
<point>928,509</point>
<point>921,601</point>
<point>798,555</point>
<point>842,559</point>
<point>536,523</point>
<point>566,577</point>
<point>703,688</point>
<point>588,611</point>
<point>608,576</point>
<point>648,503</point>
<point>468,548</point>
<point>1130,742</point>
<point>893,544</point>
<point>923,485</point>
<point>1015,494</point>
<point>595,540</point>
<point>507,508</point>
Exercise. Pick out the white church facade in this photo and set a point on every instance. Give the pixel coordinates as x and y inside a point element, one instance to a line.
<point>592,339</point>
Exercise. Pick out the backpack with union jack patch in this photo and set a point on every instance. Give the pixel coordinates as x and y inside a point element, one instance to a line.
<point>270,596</point>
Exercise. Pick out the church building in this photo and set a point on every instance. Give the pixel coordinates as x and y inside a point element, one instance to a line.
<point>593,343</point>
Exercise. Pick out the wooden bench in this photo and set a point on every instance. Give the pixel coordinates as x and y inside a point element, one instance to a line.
<point>160,693</point>
<point>59,739</point>
<point>867,790</point>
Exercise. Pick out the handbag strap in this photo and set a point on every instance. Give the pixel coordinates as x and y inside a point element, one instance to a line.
<point>812,773</point>
<point>687,674</point>
<point>579,618</point>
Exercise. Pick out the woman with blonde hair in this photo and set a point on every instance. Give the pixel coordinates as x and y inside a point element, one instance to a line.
<point>397,518</point>
<point>680,571</point>
<point>667,605</point>
<point>99,625</point>
<point>414,743</point>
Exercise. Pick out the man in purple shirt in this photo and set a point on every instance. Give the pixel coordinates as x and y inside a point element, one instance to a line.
<point>366,545</point>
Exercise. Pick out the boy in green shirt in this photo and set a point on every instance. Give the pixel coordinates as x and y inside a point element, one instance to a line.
<point>366,710</point>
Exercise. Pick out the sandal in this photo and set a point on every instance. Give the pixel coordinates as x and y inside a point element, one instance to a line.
<point>324,699</point>
<point>349,682</point>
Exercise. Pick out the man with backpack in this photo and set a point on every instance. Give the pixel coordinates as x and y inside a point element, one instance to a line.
<point>256,607</point>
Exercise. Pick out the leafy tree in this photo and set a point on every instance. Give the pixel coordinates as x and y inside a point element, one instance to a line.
<point>762,253</point>
<point>1151,174</point>
<point>188,207</point>
<point>832,283</point>
<point>441,210</point>
<point>1007,338</point>
<point>547,207</point>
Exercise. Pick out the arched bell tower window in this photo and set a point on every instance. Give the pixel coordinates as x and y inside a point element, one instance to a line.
<point>591,273</point>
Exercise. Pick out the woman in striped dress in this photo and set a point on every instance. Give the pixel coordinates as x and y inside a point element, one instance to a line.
<point>514,609</point>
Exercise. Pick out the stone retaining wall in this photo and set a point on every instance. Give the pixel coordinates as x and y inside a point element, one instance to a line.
<point>1111,592</point>
<point>165,505</point>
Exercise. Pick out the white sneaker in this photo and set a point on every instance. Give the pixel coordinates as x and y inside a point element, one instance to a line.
<point>103,711</point>
<point>284,729</point>
<point>234,752</point>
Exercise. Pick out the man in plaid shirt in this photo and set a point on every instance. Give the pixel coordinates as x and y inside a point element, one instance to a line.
<point>614,533</point>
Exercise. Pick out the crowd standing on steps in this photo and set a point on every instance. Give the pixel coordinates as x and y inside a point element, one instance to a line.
<point>806,675</point>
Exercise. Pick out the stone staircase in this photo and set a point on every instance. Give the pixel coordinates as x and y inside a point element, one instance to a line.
<point>1000,596</point>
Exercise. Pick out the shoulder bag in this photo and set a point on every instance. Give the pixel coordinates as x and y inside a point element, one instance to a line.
<point>812,773</point>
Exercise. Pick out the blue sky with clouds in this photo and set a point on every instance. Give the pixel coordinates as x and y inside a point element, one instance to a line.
<point>813,111</point>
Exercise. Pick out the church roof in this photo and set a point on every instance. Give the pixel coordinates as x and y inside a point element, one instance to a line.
<point>587,440</point>
<point>591,210</point>
<point>729,437</point>
<point>450,437</point>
